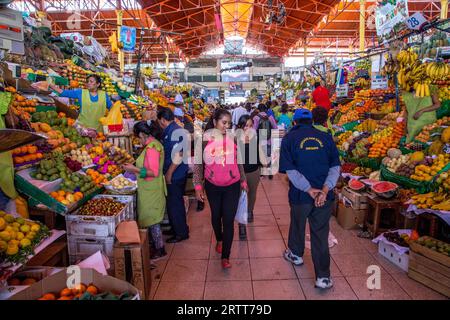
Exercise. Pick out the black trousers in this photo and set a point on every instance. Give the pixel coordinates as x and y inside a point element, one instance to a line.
<point>224,203</point>
<point>176,209</point>
<point>319,228</point>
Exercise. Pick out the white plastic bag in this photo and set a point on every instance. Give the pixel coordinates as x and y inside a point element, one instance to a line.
<point>242,211</point>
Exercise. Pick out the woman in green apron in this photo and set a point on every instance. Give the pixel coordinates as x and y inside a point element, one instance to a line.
<point>151,184</point>
<point>93,102</point>
<point>6,162</point>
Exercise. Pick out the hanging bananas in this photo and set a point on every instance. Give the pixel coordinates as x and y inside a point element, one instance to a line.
<point>422,89</point>
<point>438,71</point>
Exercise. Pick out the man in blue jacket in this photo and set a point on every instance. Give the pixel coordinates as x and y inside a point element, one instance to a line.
<point>175,173</point>
<point>311,160</point>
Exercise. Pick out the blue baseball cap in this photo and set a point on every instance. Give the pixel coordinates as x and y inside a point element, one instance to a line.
<point>302,114</point>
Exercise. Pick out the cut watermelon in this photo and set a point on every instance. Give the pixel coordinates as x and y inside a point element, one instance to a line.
<point>356,185</point>
<point>385,189</point>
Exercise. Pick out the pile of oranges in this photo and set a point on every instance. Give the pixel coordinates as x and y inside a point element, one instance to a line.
<point>26,154</point>
<point>21,103</point>
<point>384,142</point>
<point>97,177</point>
<point>66,198</point>
<point>70,294</point>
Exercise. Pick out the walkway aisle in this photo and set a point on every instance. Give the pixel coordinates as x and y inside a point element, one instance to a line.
<point>193,270</point>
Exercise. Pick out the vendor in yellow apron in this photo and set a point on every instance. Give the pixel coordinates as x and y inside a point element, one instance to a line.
<point>7,170</point>
<point>421,112</point>
<point>91,112</point>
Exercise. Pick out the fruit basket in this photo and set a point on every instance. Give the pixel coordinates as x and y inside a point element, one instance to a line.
<point>387,175</point>
<point>121,185</point>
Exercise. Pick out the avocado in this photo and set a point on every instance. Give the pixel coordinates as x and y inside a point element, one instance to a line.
<point>39,176</point>
<point>52,171</point>
<point>54,177</point>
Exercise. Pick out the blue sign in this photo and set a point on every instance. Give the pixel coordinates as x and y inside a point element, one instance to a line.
<point>128,38</point>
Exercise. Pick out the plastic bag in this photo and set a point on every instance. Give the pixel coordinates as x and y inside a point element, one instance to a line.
<point>242,211</point>
<point>114,116</point>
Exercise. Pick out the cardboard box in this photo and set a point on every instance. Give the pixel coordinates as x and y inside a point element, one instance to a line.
<point>57,282</point>
<point>357,200</point>
<point>349,218</point>
<point>132,264</point>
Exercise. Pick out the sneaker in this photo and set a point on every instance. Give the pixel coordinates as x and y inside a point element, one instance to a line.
<point>290,256</point>
<point>226,264</point>
<point>219,247</point>
<point>324,283</point>
<point>158,254</point>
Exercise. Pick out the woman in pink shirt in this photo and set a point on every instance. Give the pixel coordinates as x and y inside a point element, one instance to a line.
<point>151,185</point>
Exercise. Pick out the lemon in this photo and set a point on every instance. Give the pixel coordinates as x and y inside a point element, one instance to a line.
<point>31,235</point>
<point>13,241</point>
<point>4,235</point>
<point>20,221</point>
<point>3,246</point>
<point>15,229</point>
<point>12,249</point>
<point>25,243</point>
<point>9,218</point>
<point>15,225</point>
<point>2,224</point>
<point>25,228</point>
<point>12,234</point>
<point>35,228</point>
<point>20,236</point>
<point>9,228</point>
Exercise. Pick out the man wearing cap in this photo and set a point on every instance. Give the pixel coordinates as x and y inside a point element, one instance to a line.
<point>310,159</point>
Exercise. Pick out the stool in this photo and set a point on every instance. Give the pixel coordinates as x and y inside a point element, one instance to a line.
<point>375,211</point>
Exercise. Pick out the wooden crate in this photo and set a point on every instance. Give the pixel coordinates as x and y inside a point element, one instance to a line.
<point>358,200</point>
<point>430,268</point>
<point>123,141</point>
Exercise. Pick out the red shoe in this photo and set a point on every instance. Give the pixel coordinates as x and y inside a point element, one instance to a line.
<point>226,264</point>
<point>219,247</point>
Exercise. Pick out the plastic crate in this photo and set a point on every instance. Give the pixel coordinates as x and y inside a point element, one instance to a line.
<point>419,186</point>
<point>128,199</point>
<point>60,81</point>
<point>82,246</point>
<point>388,251</point>
<point>99,226</point>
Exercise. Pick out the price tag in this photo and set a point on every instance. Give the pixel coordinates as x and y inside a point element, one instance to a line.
<point>342,91</point>
<point>416,21</point>
<point>379,82</point>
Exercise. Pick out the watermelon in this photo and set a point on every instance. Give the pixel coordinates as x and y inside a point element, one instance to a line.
<point>356,185</point>
<point>385,189</point>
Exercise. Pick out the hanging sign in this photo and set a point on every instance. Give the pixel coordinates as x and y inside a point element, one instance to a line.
<point>128,38</point>
<point>390,18</point>
<point>290,99</point>
<point>342,91</point>
<point>416,21</point>
<point>379,82</point>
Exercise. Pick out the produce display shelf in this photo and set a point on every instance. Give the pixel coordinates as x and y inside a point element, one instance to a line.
<point>60,81</point>
<point>351,125</point>
<point>38,196</point>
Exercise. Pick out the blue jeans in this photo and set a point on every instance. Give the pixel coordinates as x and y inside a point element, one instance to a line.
<point>176,209</point>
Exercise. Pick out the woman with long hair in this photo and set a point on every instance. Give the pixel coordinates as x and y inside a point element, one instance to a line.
<point>222,178</point>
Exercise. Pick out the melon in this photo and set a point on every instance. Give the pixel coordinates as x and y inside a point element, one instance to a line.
<point>385,189</point>
<point>356,185</point>
<point>394,153</point>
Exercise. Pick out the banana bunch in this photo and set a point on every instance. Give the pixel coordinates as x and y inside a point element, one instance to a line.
<point>444,205</point>
<point>147,71</point>
<point>437,71</point>
<point>390,67</point>
<point>407,57</point>
<point>361,82</point>
<point>164,77</point>
<point>422,89</point>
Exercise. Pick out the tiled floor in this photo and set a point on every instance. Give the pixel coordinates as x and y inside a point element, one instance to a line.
<point>192,269</point>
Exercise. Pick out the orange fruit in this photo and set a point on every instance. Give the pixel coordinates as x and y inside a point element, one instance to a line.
<point>65,292</point>
<point>19,160</point>
<point>32,149</point>
<point>92,290</point>
<point>54,194</point>
<point>80,289</point>
<point>61,193</point>
<point>39,155</point>
<point>48,296</point>
<point>66,297</point>
<point>28,281</point>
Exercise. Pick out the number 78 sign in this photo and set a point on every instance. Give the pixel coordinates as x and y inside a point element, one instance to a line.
<point>416,21</point>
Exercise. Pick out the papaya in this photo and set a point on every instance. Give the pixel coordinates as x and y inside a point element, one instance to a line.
<point>45,127</point>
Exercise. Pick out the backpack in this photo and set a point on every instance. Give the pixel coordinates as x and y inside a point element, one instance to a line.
<point>218,170</point>
<point>264,124</point>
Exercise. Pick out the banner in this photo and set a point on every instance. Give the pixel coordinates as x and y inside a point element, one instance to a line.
<point>128,38</point>
<point>390,18</point>
<point>290,99</point>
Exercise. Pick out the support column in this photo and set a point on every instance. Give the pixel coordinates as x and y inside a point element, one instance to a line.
<point>362,24</point>
<point>305,53</point>
<point>121,54</point>
<point>444,9</point>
